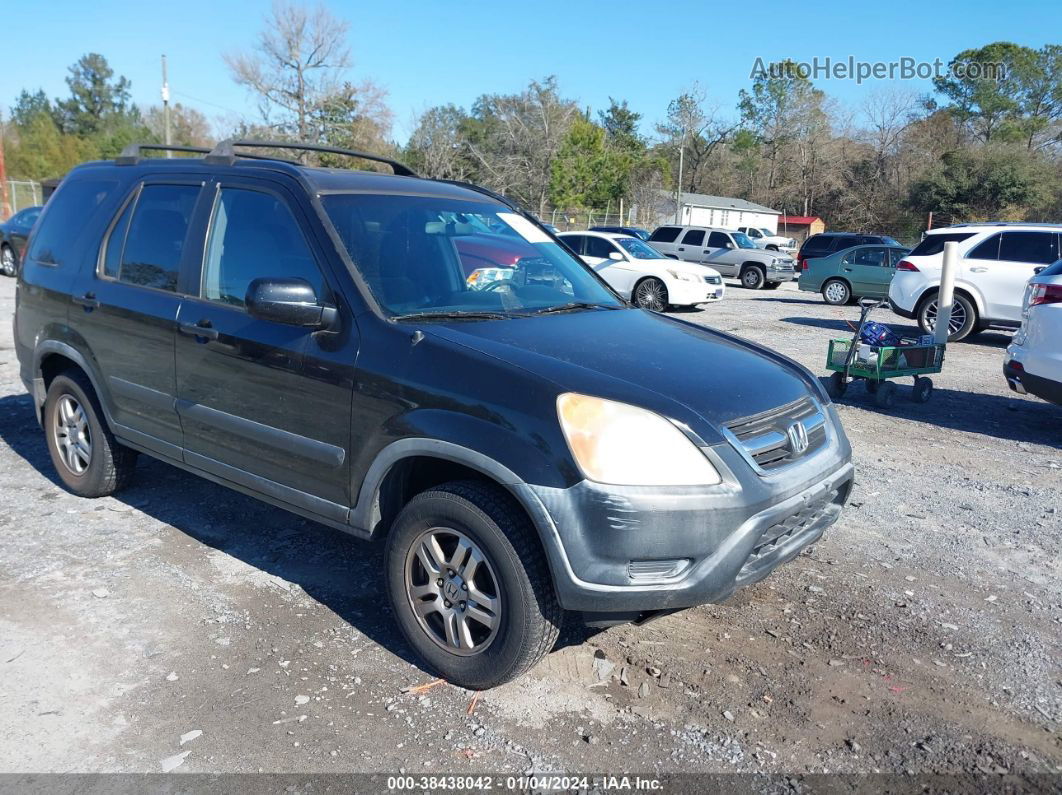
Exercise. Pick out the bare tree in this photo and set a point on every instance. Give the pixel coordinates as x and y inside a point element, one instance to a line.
<point>296,67</point>
<point>694,128</point>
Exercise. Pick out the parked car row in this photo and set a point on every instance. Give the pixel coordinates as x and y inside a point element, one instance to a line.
<point>730,252</point>
<point>13,235</point>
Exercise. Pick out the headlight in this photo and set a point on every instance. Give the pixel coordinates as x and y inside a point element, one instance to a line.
<point>682,277</point>
<point>624,445</point>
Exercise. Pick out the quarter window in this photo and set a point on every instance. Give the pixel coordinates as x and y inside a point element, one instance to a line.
<point>151,256</point>
<point>69,210</point>
<point>694,237</point>
<point>665,234</point>
<point>253,235</point>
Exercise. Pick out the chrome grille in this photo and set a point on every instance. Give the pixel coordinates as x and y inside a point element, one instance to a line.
<point>766,440</point>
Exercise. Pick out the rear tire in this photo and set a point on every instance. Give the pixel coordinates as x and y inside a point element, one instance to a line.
<point>753,277</point>
<point>510,572</point>
<point>964,319</point>
<point>8,260</point>
<point>836,292</point>
<point>88,459</point>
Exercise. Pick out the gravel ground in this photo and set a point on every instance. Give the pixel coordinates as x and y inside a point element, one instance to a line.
<point>181,625</point>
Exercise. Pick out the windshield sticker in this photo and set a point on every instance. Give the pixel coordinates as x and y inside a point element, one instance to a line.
<point>527,230</point>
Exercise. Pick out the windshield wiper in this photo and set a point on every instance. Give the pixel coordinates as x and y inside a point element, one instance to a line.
<point>572,306</point>
<point>453,315</point>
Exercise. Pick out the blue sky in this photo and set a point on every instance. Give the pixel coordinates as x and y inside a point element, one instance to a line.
<point>428,53</point>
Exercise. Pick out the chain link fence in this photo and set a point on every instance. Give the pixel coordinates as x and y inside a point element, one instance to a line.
<point>20,195</point>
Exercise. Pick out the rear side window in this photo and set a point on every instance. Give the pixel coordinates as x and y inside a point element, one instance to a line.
<point>574,242</point>
<point>598,247</point>
<point>815,246</point>
<point>934,244</point>
<point>151,256</point>
<point>1038,248</point>
<point>695,237</point>
<point>665,234</point>
<point>987,249</point>
<point>69,210</point>
<point>254,236</point>
<point>842,242</point>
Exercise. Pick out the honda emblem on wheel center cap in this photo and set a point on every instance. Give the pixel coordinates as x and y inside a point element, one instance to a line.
<point>451,591</point>
<point>798,438</point>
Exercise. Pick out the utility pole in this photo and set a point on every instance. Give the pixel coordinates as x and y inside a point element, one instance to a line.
<point>678,192</point>
<point>5,207</point>
<point>166,105</point>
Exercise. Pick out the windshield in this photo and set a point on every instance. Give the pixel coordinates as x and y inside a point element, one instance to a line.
<point>639,250</point>
<point>742,240</point>
<point>442,255</point>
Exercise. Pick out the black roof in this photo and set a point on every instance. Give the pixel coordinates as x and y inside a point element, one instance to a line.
<point>319,180</point>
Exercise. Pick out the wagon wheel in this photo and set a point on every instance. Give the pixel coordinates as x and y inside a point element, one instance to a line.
<point>885,397</point>
<point>923,389</point>
<point>837,385</point>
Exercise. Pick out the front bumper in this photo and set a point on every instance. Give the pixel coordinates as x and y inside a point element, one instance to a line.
<point>899,310</point>
<point>638,549</point>
<point>783,274</point>
<point>683,293</point>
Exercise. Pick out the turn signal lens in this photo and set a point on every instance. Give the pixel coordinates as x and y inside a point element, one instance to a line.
<point>625,445</point>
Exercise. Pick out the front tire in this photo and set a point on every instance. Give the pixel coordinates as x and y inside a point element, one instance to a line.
<point>753,278</point>
<point>469,584</point>
<point>836,292</point>
<point>8,260</point>
<point>964,320</point>
<point>88,459</point>
<point>650,294</point>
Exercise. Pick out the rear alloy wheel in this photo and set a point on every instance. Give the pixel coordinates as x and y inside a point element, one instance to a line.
<point>87,457</point>
<point>651,294</point>
<point>469,584</point>
<point>752,278</point>
<point>964,318</point>
<point>836,292</point>
<point>8,263</point>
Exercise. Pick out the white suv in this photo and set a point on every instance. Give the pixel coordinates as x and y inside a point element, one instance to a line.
<point>996,261</point>
<point>1034,359</point>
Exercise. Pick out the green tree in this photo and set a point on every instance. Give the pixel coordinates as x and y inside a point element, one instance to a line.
<point>98,103</point>
<point>1006,92</point>
<point>28,106</point>
<point>42,151</point>
<point>988,184</point>
<point>621,126</point>
<point>586,172</point>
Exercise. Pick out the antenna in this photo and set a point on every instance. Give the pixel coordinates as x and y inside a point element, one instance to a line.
<point>166,105</point>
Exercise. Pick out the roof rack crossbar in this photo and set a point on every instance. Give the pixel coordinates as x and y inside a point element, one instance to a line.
<point>225,153</point>
<point>130,156</point>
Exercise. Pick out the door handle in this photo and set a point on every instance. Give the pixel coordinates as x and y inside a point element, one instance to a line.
<point>847,270</point>
<point>88,300</point>
<point>200,330</point>
<point>978,270</point>
<point>680,248</point>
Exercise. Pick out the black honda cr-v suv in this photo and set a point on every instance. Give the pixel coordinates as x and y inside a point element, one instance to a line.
<point>528,443</point>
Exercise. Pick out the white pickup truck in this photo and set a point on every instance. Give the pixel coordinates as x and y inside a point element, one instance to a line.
<point>764,238</point>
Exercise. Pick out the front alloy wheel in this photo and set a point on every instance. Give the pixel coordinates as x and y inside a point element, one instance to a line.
<point>753,278</point>
<point>651,294</point>
<point>453,591</point>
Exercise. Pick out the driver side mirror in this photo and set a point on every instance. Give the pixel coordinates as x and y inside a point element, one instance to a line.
<point>615,255</point>
<point>291,302</point>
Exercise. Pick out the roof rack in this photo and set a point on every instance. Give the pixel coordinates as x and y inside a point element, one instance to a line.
<point>130,156</point>
<point>1001,223</point>
<point>226,154</point>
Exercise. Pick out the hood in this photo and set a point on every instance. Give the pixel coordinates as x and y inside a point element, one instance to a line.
<point>682,266</point>
<point>684,371</point>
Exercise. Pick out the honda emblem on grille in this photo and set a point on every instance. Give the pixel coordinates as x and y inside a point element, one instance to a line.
<point>798,438</point>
